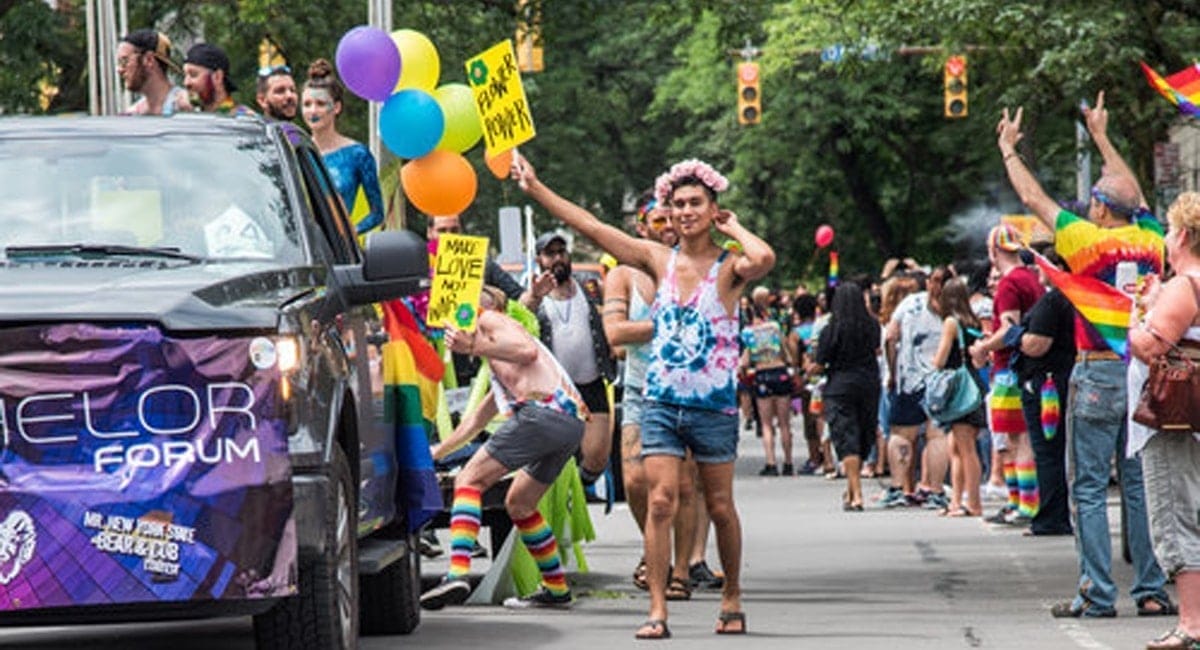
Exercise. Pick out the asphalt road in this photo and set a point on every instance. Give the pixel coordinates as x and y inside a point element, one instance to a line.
<point>814,577</point>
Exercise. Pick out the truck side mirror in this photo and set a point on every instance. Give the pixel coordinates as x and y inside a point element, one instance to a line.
<point>395,264</point>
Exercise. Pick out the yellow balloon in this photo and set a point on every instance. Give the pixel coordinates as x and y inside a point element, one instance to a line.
<point>419,63</point>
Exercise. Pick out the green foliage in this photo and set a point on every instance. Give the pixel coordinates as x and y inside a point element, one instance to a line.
<point>630,87</point>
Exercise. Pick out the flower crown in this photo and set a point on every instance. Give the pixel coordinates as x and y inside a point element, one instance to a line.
<point>694,167</point>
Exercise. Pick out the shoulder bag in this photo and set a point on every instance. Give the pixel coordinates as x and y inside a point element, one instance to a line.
<point>1170,399</point>
<point>951,394</point>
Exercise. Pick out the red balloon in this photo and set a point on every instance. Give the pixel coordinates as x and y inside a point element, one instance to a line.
<point>824,236</point>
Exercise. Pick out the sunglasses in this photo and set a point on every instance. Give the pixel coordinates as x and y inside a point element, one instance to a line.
<point>267,71</point>
<point>123,61</point>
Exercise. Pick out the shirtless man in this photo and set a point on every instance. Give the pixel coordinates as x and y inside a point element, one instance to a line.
<point>545,425</point>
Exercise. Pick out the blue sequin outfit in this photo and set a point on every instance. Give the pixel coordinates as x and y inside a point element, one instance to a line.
<point>351,166</point>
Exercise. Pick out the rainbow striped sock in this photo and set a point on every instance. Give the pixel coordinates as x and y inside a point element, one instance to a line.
<point>1027,479</point>
<point>1010,481</point>
<point>539,539</point>
<point>1050,408</point>
<point>465,516</point>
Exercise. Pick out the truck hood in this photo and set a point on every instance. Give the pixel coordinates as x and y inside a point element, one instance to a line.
<point>177,295</point>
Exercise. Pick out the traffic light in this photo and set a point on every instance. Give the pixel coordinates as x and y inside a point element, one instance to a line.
<point>955,86</point>
<point>749,95</point>
<point>529,36</point>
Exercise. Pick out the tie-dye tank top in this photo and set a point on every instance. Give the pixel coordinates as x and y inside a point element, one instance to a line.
<point>694,353</point>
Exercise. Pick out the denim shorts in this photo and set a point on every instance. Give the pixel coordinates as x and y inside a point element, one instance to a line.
<point>632,405</point>
<point>906,409</point>
<point>669,430</point>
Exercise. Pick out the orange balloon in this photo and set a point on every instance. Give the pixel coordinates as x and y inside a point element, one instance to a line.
<point>439,183</point>
<point>500,164</point>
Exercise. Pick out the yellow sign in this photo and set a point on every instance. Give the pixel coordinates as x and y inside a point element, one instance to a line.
<point>500,98</point>
<point>457,281</point>
<point>1032,229</point>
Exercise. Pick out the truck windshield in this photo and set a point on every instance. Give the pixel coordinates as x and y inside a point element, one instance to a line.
<point>218,197</point>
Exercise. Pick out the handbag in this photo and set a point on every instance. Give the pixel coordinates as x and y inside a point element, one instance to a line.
<point>951,394</point>
<point>1170,399</point>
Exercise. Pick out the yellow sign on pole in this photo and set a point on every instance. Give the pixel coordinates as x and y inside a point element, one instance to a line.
<point>500,98</point>
<point>457,281</point>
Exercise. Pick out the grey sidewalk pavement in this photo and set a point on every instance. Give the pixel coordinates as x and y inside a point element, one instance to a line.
<point>817,577</point>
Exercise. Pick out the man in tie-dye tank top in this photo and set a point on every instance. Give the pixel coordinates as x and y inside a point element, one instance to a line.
<point>690,390</point>
<point>1118,228</point>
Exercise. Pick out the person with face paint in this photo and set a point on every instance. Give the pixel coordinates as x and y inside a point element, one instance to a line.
<point>276,93</point>
<point>143,60</point>
<point>350,163</point>
<point>572,328</point>
<point>206,77</point>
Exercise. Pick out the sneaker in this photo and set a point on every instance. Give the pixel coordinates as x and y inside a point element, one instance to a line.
<point>992,492</point>
<point>1015,518</point>
<point>446,592</point>
<point>478,550</point>
<point>428,545</point>
<point>1001,516</point>
<point>702,577</point>
<point>540,599</point>
<point>768,470</point>
<point>809,468</point>
<point>936,501</point>
<point>894,498</point>
<point>788,470</point>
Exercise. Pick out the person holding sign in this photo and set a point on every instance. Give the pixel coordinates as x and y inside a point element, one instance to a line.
<point>544,427</point>
<point>691,391</point>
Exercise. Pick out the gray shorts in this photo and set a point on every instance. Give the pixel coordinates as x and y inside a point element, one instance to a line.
<point>1171,469</point>
<point>537,440</point>
<point>632,403</point>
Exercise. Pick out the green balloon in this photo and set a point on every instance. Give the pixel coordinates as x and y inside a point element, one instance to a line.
<point>462,121</point>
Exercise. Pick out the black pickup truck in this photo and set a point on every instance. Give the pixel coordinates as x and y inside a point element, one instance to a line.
<point>191,399</point>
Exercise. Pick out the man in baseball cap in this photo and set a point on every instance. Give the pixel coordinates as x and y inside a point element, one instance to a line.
<point>206,77</point>
<point>143,60</point>
<point>546,238</point>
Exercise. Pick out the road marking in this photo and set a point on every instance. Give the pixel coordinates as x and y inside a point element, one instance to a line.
<point>1082,637</point>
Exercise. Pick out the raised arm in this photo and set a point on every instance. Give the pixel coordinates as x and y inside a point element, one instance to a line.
<point>1097,125</point>
<point>627,249</point>
<point>1030,191</point>
<point>757,258</point>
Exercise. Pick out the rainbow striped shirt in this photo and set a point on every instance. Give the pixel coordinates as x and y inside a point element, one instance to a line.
<point>1093,251</point>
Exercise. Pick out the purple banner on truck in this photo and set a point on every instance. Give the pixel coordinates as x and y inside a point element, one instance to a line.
<point>138,467</point>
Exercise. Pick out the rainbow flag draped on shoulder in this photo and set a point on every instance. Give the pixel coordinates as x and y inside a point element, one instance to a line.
<point>1102,308</point>
<point>412,370</point>
<point>1181,89</point>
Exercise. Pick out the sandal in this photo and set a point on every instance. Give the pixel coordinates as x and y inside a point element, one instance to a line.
<point>678,589</point>
<point>653,628</point>
<point>639,576</point>
<point>726,619</point>
<point>1176,639</point>
<point>1156,606</point>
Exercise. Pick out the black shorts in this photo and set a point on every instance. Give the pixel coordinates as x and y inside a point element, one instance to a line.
<point>906,409</point>
<point>852,421</point>
<point>595,395</point>
<point>772,382</point>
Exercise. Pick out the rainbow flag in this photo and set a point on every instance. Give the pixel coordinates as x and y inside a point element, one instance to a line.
<point>1101,307</point>
<point>412,371</point>
<point>833,268</point>
<point>1181,89</point>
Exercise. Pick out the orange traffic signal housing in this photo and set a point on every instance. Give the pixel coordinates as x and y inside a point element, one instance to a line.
<point>954,84</point>
<point>749,102</point>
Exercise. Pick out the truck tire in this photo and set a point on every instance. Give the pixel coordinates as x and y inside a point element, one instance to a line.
<point>391,599</point>
<point>324,615</point>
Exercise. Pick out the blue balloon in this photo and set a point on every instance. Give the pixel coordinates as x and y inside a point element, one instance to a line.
<point>411,123</point>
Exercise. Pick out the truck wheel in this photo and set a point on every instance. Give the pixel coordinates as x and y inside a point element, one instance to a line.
<point>324,615</point>
<point>391,599</point>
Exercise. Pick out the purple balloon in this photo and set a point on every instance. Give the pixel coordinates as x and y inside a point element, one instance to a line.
<point>368,62</point>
